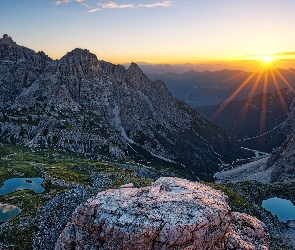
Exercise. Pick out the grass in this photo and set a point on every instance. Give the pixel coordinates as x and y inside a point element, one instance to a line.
<point>237,202</point>
<point>72,169</point>
<point>259,192</point>
<point>17,161</point>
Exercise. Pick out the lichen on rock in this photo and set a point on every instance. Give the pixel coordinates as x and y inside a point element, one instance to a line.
<point>172,213</point>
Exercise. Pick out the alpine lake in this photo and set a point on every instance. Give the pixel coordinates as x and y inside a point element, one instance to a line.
<point>16,184</point>
<point>282,208</point>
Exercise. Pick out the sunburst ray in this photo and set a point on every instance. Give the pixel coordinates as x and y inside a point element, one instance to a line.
<point>233,95</point>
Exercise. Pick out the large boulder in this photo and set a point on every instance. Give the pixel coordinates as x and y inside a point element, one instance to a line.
<point>172,213</point>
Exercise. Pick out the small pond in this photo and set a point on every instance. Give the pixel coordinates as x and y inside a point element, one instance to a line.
<point>8,211</point>
<point>282,208</point>
<point>15,184</point>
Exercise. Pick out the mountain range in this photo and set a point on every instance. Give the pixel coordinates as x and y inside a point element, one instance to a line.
<point>259,122</point>
<point>91,107</point>
<point>90,126</point>
<point>211,88</point>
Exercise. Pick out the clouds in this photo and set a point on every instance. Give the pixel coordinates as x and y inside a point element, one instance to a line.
<point>94,10</point>
<point>285,54</point>
<point>113,5</point>
<point>82,2</point>
<point>162,4</point>
<point>65,1</point>
<point>278,54</point>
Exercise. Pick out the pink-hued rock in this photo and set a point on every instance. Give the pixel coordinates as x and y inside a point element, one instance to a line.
<point>172,213</point>
<point>246,232</point>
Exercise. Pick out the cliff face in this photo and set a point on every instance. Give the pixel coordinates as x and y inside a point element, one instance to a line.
<point>87,106</point>
<point>172,213</point>
<point>19,68</point>
<point>282,160</point>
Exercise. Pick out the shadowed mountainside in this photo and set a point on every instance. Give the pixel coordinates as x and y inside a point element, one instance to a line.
<point>246,120</point>
<point>87,106</point>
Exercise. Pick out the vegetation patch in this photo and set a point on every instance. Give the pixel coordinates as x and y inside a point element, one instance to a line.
<point>63,171</point>
<point>237,202</point>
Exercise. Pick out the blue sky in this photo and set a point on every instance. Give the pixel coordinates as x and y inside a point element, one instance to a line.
<point>178,31</point>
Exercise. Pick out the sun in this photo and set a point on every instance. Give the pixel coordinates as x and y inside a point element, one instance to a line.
<point>267,59</point>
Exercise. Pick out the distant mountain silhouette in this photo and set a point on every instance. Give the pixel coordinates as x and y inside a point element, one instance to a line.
<point>208,88</point>
<point>177,68</point>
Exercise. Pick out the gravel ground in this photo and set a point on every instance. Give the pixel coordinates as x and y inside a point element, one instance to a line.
<point>255,170</point>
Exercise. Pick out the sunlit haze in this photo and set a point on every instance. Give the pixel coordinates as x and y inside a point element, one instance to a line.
<point>156,31</point>
<point>267,59</point>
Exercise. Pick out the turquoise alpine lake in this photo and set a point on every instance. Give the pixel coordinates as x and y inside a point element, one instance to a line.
<point>8,211</point>
<point>15,184</point>
<point>282,208</point>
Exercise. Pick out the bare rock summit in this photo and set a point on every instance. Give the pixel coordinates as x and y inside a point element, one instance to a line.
<point>172,213</point>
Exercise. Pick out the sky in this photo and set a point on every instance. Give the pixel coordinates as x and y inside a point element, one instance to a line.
<point>155,31</point>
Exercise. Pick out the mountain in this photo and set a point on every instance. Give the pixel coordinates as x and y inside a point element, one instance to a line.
<point>155,69</point>
<point>282,161</point>
<point>209,88</point>
<point>258,122</point>
<point>91,107</point>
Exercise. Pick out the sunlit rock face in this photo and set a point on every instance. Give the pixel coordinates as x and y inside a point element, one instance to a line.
<point>172,213</point>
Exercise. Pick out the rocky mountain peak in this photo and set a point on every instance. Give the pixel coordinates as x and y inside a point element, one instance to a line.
<point>135,75</point>
<point>104,109</point>
<point>11,51</point>
<point>134,69</point>
<point>172,213</point>
<point>78,62</point>
<point>7,39</point>
<point>134,66</point>
<point>78,54</point>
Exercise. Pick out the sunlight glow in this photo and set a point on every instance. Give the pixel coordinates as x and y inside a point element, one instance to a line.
<point>267,59</point>
<point>266,74</point>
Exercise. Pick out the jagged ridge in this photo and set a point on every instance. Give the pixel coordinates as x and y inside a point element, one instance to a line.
<point>85,105</point>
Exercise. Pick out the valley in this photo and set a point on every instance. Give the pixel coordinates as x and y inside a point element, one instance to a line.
<point>259,123</point>
<point>80,126</point>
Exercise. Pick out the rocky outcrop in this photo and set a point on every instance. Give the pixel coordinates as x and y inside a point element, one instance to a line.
<point>290,224</point>
<point>88,106</point>
<point>172,213</point>
<point>282,159</point>
<point>19,68</point>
